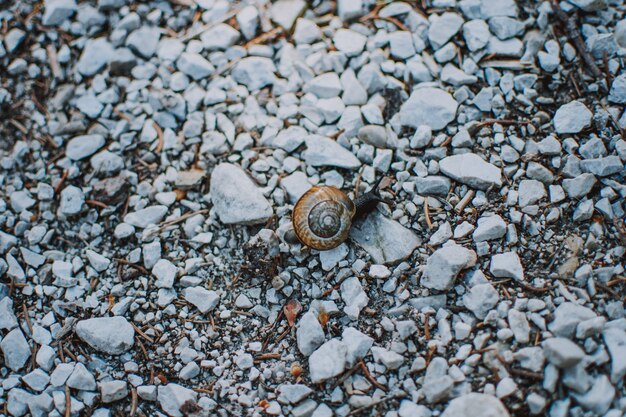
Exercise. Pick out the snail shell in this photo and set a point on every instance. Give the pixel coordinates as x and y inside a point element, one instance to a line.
<point>322,217</point>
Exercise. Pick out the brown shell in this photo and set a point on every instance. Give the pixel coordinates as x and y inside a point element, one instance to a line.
<point>327,203</point>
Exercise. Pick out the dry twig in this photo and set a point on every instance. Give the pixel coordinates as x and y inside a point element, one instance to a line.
<point>573,33</point>
<point>370,378</point>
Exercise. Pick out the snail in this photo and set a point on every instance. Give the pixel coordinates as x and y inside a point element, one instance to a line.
<point>322,217</point>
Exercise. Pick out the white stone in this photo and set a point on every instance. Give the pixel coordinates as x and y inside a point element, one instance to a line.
<point>309,334</point>
<point>328,361</point>
<point>428,106</point>
<point>111,335</point>
<point>444,264</point>
<point>80,147</point>
<point>471,169</point>
<point>15,349</point>
<point>236,199</point>
<point>572,118</point>
<point>475,404</point>
<point>507,265</point>
<point>204,300</point>
<point>145,217</point>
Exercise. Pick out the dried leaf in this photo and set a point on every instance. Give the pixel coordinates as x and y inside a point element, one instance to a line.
<point>296,370</point>
<point>322,317</point>
<point>291,310</point>
<point>264,404</point>
<point>180,194</point>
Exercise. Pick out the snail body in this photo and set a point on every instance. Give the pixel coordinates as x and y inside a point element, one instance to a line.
<point>323,216</point>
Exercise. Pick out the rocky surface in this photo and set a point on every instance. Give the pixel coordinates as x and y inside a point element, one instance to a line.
<point>151,154</point>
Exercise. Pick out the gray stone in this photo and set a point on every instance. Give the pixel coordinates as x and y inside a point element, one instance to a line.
<point>122,62</point>
<point>111,391</point>
<point>599,398</point>
<point>81,379</point>
<point>306,32</point>
<point>442,235</point>
<point>580,186</point>
<point>353,296</point>
<point>80,147</point>
<point>144,41</point>
<point>475,404</point>
<point>354,93</point>
<point>57,11</point>
<point>204,300</point>
<point>519,325</point>
<point>401,44</point>
<point>567,316</point>
<point>453,75</point>
<point>248,20</point>
<point>31,258</point>
<point>194,65</point>
<point>322,151</point>
<point>423,137</point>
<point>531,358</point>
<point>89,105</point>
<point>349,9</point>
<point>349,42</point>
<point>236,199</point>
<point>72,200</point>
<point>111,335</point>
<point>442,28</point>
<point>8,320</point>
<point>471,169</point>
<point>507,265</point>
<point>309,334</point>
<point>17,402</point>
<point>285,12</point>
<point>15,349</point>
<point>437,384</point>
<point>7,241</point>
<point>530,192</point>
<point>254,72</point>
<point>294,393</point>
<point>328,361</point>
<point>603,167</point>
<point>476,34</point>
<point>145,217</point>
<point>219,37</point>
<point>386,240</point>
<point>106,163</point>
<point>572,118</point>
<point>13,39</point>
<point>590,5</point>
<point>21,200</point>
<point>562,352</point>
<point>481,299</point>
<point>357,345</point>
<point>489,228</point>
<point>506,27</point>
<point>433,185</point>
<point>615,340</point>
<point>444,265</point>
<point>96,54</point>
<point>165,273</point>
<point>325,85</point>
<point>295,185</point>
<point>618,90</point>
<point>374,135</point>
<point>428,106</point>
<point>390,359</point>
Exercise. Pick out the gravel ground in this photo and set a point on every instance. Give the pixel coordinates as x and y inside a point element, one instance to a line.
<point>151,155</point>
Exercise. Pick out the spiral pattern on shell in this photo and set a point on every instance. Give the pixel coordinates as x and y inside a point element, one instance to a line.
<point>322,217</point>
